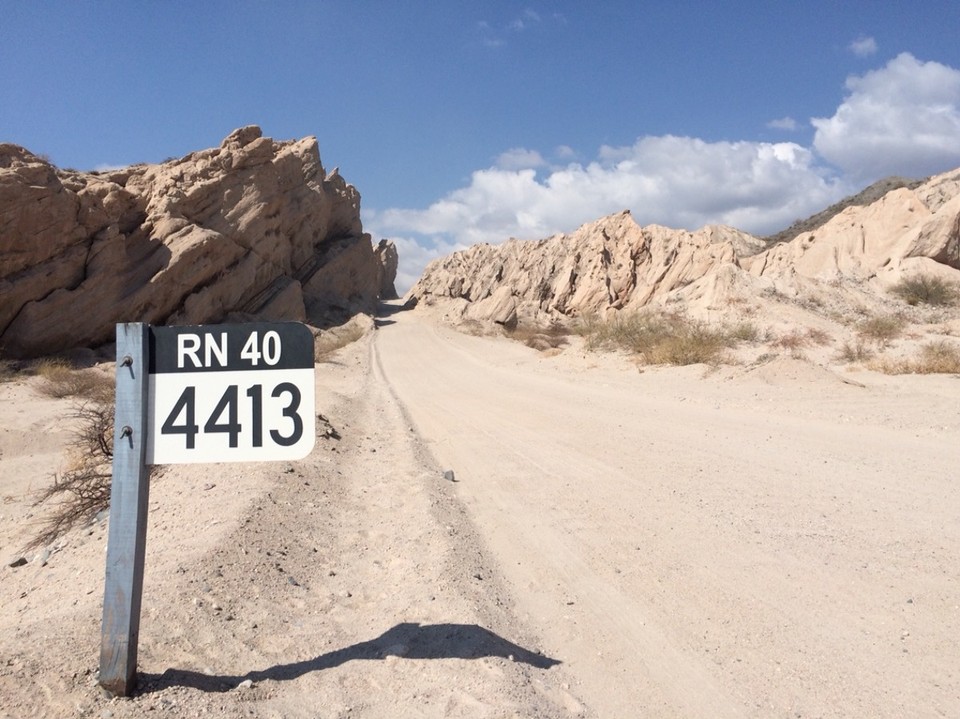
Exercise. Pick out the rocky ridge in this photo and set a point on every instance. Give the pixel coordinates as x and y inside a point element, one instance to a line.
<point>253,229</point>
<point>614,264</point>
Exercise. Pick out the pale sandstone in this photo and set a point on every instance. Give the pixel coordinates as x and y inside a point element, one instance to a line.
<point>614,264</point>
<point>253,229</point>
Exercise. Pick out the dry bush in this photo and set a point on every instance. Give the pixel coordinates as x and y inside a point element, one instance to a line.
<point>927,290</point>
<point>793,341</point>
<point>82,490</point>
<point>60,379</point>
<point>745,332</point>
<point>941,357</point>
<point>659,338</point>
<point>797,339</point>
<point>541,338</point>
<point>856,352</point>
<point>881,329</point>
<point>818,336</point>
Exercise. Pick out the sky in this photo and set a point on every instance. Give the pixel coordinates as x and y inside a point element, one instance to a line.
<point>462,121</point>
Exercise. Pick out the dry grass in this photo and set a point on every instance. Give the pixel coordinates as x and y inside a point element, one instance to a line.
<point>61,379</point>
<point>854,352</point>
<point>660,338</point>
<point>796,339</point>
<point>940,357</point>
<point>541,338</point>
<point>882,329</point>
<point>926,290</point>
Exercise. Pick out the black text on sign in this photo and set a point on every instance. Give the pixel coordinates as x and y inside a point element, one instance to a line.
<point>230,393</point>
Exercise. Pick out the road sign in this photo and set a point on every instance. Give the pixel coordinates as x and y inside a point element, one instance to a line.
<point>230,393</point>
<point>207,393</point>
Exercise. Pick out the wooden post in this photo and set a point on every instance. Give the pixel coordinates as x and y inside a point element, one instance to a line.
<point>127,537</point>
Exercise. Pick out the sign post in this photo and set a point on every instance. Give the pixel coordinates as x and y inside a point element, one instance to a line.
<point>205,393</point>
<point>127,537</point>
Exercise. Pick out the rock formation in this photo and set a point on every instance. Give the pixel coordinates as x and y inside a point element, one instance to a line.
<point>614,264</point>
<point>252,229</point>
<point>389,259</point>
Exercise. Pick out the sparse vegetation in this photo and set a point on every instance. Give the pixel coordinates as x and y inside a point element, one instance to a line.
<point>746,332</point>
<point>82,490</point>
<point>857,351</point>
<point>926,289</point>
<point>660,338</point>
<point>797,339</point>
<point>541,338</point>
<point>941,357</point>
<point>881,329</point>
<point>60,379</point>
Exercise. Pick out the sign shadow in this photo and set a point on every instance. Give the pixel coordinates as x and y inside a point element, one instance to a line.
<point>408,640</point>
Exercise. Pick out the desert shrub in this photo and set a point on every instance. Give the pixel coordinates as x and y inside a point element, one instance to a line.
<point>541,338</point>
<point>818,336</point>
<point>881,329</point>
<point>745,332</point>
<point>855,352</point>
<point>81,490</point>
<point>60,379</point>
<point>659,338</point>
<point>925,289</point>
<point>792,340</point>
<point>940,357</point>
<point>797,339</point>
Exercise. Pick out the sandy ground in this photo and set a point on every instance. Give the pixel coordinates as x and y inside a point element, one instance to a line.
<point>771,541</point>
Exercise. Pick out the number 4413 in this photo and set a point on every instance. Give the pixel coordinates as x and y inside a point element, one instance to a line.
<point>225,418</point>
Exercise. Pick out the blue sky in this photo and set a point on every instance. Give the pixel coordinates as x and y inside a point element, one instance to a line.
<point>476,121</point>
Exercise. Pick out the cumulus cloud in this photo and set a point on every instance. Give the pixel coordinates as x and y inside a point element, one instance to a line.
<point>901,119</point>
<point>784,123</point>
<point>415,254</point>
<point>668,180</point>
<point>863,46</point>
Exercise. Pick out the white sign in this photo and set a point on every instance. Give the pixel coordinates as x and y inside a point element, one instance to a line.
<point>230,393</point>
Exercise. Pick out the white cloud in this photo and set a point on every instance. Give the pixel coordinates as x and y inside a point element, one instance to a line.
<point>519,158</point>
<point>901,119</point>
<point>784,123</point>
<point>863,46</point>
<point>414,256</point>
<point>668,180</point>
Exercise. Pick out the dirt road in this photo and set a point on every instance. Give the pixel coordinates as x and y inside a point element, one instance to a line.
<point>776,542</point>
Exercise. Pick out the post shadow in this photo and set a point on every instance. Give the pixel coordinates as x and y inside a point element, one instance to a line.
<point>408,640</point>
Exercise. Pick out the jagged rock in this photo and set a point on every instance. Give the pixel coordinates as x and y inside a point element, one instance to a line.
<point>608,264</point>
<point>252,229</point>
<point>386,252</point>
<point>614,264</point>
<point>500,307</point>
